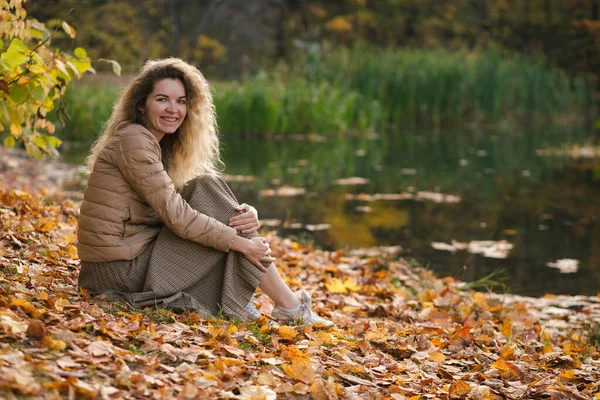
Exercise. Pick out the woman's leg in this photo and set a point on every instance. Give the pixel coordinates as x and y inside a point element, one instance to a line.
<point>273,286</point>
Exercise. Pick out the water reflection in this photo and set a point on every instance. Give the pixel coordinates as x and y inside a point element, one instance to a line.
<point>546,207</point>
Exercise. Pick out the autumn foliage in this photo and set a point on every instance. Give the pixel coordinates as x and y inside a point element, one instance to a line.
<point>401,332</point>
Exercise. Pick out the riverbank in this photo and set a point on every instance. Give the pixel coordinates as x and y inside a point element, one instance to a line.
<point>401,332</point>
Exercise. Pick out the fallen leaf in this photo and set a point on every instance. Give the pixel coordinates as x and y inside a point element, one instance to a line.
<point>459,388</point>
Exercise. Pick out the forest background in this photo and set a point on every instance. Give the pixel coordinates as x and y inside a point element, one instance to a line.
<point>228,38</point>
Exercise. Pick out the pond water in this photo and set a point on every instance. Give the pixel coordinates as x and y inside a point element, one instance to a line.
<point>517,189</point>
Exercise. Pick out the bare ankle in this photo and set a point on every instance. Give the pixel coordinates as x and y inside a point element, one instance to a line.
<point>289,303</point>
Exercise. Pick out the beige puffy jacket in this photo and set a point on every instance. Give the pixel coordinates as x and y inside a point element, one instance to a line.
<point>128,198</point>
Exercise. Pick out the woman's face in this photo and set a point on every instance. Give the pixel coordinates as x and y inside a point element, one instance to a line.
<point>165,107</point>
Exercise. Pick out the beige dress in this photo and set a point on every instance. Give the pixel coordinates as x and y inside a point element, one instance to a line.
<point>180,274</point>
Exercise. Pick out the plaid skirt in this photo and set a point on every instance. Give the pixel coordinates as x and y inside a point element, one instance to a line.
<point>179,274</point>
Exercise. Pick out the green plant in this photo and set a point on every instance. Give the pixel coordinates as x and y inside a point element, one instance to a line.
<point>33,77</point>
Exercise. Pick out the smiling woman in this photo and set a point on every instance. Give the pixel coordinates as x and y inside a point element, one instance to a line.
<point>165,108</point>
<point>158,226</point>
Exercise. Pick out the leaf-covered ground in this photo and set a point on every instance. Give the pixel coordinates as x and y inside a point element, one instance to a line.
<point>401,333</point>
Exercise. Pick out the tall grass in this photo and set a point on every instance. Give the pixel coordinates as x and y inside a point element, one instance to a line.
<point>440,87</point>
<point>365,89</point>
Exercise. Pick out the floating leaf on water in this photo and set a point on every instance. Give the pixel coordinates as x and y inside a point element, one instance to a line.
<point>351,181</point>
<point>437,197</point>
<point>365,209</point>
<point>273,222</point>
<point>565,265</point>
<point>454,246</point>
<point>408,171</point>
<point>317,227</point>
<point>360,153</point>
<point>490,248</point>
<point>238,178</point>
<point>284,191</point>
<point>487,248</point>
<point>292,225</point>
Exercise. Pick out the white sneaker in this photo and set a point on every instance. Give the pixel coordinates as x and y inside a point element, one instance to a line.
<point>251,312</point>
<point>302,314</point>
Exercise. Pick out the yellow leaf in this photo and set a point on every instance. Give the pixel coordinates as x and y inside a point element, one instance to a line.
<point>352,285</point>
<point>506,328</point>
<point>480,300</point>
<point>376,333</point>
<point>232,329</point>
<point>567,375</point>
<point>507,352</point>
<point>16,130</point>
<point>459,388</point>
<point>296,246</point>
<point>336,285</point>
<point>51,344</point>
<point>287,332</point>
<point>46,224</point>
<point>438,357</point>
<point>217,332</point>
<point>415,397</point>
<point>317,390</point>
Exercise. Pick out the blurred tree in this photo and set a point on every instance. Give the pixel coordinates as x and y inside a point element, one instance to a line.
<point>238,35</point>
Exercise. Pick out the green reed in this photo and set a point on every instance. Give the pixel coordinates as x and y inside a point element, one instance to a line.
<point>89,107</point>
<point>438,87</point>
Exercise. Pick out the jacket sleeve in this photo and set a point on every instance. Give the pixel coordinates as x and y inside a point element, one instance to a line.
<point>139,160</point>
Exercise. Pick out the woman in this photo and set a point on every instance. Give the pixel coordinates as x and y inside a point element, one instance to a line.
<point>157,226</point>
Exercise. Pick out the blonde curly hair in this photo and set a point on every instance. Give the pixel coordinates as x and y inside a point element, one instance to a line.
<point>194,149</point>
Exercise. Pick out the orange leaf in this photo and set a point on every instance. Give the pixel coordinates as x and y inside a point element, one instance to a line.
<point>460,388</point>
<point>438,357</point>
<point>300,367</point>
<point>51,344</point>
<point>567,375</point>
<point>376,333</point>
<point>25,305</point>
<point>464,332</point>
<point>507,352</point>
<point>287,332</point>
<point>46,224</point>
<point>507,369</point>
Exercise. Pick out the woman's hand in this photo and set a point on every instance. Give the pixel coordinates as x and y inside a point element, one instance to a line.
<point>256,250</point>
<point>246,222</point>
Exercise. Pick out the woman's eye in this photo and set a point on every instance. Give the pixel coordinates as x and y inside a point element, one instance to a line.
<point>181,101</point>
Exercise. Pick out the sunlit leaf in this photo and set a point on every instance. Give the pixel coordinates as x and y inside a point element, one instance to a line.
<point>68,29</point>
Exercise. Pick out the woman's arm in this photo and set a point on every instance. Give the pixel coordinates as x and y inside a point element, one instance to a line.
<point>139,160</point>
